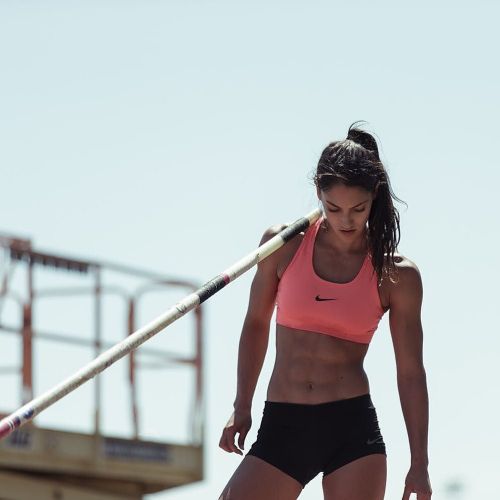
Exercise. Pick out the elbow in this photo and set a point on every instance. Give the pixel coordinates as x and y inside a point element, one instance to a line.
<point>412,375</point>
<point>256,327</point>
<point>257,322</point>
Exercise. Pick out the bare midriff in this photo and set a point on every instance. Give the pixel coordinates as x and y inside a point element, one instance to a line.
<point>313,368</point>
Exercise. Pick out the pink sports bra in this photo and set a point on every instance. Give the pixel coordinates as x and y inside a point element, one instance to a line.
<point>304,301</point>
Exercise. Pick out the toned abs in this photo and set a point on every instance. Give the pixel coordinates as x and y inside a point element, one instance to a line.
<point>312,367</point>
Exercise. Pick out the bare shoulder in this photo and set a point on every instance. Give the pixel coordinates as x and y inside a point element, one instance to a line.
<point>272,231</point>
<point>274,257</point>
<point>282,257</point>
<point>275,229</point>
<point>266,279</point>
<point>407,280</point>
<point>404,263</point>
<point>406,266</point>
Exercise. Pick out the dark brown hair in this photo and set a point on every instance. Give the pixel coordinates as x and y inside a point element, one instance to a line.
<point>355,161</point>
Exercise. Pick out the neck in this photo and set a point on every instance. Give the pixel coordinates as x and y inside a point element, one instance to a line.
<point>345,246</point>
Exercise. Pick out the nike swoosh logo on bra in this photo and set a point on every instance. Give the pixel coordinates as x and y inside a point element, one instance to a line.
<point>318,298</point>
<point>373,441</point>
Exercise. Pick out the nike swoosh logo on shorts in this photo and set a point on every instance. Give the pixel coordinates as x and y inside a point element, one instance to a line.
<point>373,441</point>
<point>318,298</point>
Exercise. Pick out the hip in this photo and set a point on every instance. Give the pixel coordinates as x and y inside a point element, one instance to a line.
<point>316,389</point>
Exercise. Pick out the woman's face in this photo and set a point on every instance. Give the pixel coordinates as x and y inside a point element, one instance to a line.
<point>347,208</point>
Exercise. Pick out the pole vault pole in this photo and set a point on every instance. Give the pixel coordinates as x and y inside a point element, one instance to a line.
<point>107,358</point>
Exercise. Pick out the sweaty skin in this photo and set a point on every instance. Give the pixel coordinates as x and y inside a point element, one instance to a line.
<point>316,368</point>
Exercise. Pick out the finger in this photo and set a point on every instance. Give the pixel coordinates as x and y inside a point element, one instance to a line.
<point>225,442</point>
<point>424,496</point>
<point>406,493</point>
<point>241,439</point>
<point>230,433</point>
<point>222,443</point>
<point>236,449</point>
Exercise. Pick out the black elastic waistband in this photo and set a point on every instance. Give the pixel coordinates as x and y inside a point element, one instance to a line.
<point>357,401</point>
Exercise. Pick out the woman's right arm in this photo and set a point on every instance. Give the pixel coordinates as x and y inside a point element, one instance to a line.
<point>253,343</point>
<point>255,332</point>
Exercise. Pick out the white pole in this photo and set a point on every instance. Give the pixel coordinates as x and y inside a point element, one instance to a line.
<point>118,351</point>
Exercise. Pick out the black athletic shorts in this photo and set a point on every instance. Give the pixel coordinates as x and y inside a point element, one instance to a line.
<point>305,439</point>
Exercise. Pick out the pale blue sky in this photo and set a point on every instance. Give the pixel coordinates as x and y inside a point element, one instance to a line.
<point>170,135</point>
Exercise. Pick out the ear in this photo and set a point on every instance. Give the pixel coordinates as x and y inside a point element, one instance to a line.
<point>318,192</point>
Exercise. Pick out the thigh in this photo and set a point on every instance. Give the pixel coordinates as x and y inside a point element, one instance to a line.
<point>361,479</point>
<point>256,479</point>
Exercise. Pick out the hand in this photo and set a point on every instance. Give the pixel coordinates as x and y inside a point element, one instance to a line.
<point>240,421</point>
<point>417,481</point>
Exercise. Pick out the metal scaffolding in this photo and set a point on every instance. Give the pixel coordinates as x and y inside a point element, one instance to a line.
<point>19,252</point>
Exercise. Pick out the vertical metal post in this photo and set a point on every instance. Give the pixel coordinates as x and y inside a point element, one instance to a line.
<point>27,390</point>
<point>131,370</point>
<point>5,270</point>
<point>199,417</point>
<point>97,347</point>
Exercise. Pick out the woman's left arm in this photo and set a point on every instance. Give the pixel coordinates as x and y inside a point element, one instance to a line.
<point>407,338</point>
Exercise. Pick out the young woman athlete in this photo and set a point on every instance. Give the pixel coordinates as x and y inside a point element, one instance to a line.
<point>331,285</point>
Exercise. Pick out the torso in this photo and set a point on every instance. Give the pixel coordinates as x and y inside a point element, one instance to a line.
<point>312,367</point>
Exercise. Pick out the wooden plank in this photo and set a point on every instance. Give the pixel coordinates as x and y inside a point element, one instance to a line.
<point>156,466</point>
<point>22,487</point>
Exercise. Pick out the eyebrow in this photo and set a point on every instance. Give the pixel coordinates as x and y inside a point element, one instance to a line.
<point>351,207</point>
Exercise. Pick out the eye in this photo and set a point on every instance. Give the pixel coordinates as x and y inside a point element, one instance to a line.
<point>359,210</point>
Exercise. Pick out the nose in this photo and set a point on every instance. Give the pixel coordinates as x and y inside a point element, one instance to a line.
<point>347,223</point>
